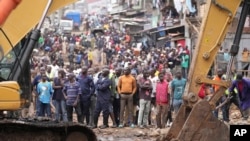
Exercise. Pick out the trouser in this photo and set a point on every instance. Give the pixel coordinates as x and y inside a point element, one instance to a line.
<point>184,72</point>
<point>38,105</point>
<point>116,109</point>
<point>216,112</point>
<point>177,68</point>
<point>85,106</point>
<point>177,104</point>
<point>71,63</point>
<point>150,115</point>
<point>144,112</point>
<point>104,107</point>
<point>78,112</point>
<point>154,3</point>
<point>86,62</point>
<point>161,115</point>
<point>225,108</point>
<point>44,108</point>
<point>92,110</point>
<point>246,113</point>
<point>129,99</point>
<point>127,117</point>
<point>136,117</point>
<point>111,108</point>
<point>169,116</point>
<point>61,109</point>
<point>135,114</point>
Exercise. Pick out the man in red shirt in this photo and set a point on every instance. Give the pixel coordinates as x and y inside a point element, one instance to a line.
<point>162,101</point>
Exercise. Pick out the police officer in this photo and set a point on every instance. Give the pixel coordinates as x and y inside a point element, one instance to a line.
<point>103,98</point>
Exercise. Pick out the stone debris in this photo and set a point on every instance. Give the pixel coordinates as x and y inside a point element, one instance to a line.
<point>140,133</point>
<point>235,115</point>
<point>164,131</point>
<point>154,133</point>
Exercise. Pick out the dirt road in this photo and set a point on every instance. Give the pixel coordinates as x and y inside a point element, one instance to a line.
<point>129,134</point>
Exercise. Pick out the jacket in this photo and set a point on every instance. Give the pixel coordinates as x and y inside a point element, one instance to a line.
<point>145,88</point>
<point>87,86</point>
<point>244,95</point>
<point>103,89</point>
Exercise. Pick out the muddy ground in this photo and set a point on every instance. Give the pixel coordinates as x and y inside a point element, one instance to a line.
<point>152,134</point>
<point>129,134</point>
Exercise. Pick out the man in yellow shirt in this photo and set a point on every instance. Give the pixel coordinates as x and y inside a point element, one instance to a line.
<point>126,88</point>
<point>90,57</point>
<point>106,26</point>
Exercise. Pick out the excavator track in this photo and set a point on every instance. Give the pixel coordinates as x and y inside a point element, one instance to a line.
<point>18,130</point>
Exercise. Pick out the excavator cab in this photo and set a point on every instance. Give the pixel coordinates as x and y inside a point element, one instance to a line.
<point>17,93</point>
<point>194,120</point>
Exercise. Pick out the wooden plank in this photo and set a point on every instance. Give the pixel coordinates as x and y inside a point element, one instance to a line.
<point>167,28</point>
<point>171,38</point>
<point>118,12</point>
<point>192,25</point>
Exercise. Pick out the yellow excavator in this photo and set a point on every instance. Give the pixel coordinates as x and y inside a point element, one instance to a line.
<point>20,24</point>
<point>195,121</point>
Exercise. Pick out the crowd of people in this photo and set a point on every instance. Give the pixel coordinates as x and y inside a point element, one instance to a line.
<point>107,72</point>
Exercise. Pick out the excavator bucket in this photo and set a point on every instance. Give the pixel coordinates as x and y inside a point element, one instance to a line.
<point>198,125</point>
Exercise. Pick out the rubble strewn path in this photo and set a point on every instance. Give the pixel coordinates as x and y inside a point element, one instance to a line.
<point>129,134</point>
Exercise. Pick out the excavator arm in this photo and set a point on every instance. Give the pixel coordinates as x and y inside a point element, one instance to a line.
<point>194,120</point>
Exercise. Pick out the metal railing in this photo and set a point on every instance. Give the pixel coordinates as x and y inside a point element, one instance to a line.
<point>245,73</point>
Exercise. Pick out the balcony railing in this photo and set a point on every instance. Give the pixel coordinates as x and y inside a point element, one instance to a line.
<point>245,73</point>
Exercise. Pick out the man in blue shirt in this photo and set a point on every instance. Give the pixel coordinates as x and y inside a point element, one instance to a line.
<point>178,86</point>
<point>87,89</point>
<point>72,92</point>
<point>103,98</point>
<point>35,82</point>
<point>44,90</point>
